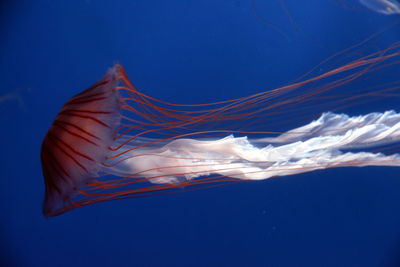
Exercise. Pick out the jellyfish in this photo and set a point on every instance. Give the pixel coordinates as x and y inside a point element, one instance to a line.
<point>386,7</point>
<point>113,141</point>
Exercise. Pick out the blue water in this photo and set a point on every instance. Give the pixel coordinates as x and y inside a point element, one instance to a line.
<point>186,52</point>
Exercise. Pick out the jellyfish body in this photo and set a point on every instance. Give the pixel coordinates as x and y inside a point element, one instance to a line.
<point>113,141</point>
<point>77,142</point>
<point>386,7</point>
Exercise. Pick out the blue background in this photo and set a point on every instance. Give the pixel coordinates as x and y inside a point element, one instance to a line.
<point>186,52</point>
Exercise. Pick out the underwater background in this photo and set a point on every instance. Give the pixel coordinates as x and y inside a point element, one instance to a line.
<point>187,52</point>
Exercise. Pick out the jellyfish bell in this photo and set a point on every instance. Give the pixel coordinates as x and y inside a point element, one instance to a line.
<point>77,142</point>
<point>385,7</point>
<point>113,141</point>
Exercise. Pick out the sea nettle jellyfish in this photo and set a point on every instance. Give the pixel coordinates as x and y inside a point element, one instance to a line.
<point>113,141</point>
